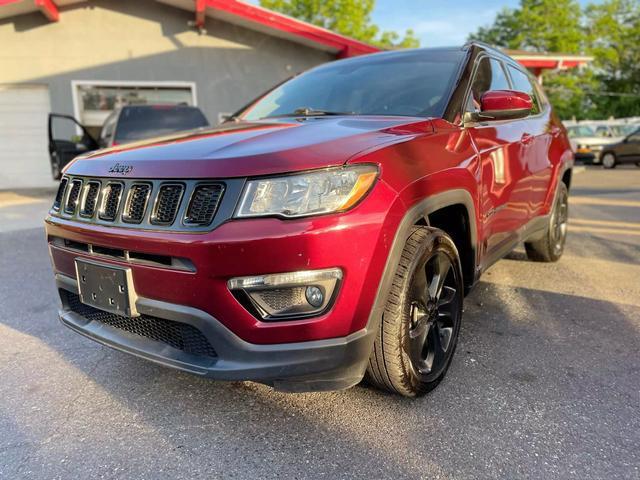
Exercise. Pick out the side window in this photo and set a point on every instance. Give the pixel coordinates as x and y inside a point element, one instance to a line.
<point>522,83</point>
<point>634,137</point>
<point>489,75</point>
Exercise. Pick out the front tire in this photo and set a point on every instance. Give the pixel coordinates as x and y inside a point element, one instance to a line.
<point>421,321</point>
<point>550,247</point>
<point>609,160</point>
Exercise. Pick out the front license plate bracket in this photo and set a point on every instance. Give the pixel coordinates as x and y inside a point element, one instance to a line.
<point>106,287</point>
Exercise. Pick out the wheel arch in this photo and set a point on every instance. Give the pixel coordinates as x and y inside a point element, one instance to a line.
<point>419,214</point>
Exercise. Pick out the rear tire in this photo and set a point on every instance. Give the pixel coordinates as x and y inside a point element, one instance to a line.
<point>609,160</point>
<point>550,247</point>
<point>421,321</point>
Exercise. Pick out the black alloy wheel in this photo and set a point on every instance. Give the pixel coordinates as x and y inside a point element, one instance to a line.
<point>419,328</point>
<point>435,316</point>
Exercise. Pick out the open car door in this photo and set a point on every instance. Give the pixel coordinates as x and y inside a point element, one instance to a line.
<point>65,143</point>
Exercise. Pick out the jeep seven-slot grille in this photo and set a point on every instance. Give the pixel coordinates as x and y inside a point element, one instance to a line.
<point>110,201</point>
<point>180,336</point>
<point>181,205</point>
<point>72,198</point>
<point>88,207</point>
<point>167,204</point>
<point>136,205</point>
<point>204,203</point>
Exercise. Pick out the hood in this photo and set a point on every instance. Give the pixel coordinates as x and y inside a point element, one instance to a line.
<point>249,149</point>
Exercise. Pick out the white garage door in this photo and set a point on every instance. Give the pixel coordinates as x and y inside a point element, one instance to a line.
<point>24,157</point>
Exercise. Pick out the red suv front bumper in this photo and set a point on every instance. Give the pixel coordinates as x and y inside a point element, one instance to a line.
<point>328,351</point>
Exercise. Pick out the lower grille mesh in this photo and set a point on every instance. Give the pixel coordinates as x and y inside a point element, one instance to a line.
<point>180,336</point>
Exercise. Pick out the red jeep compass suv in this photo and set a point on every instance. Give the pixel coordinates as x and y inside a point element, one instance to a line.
<point>328,232</point>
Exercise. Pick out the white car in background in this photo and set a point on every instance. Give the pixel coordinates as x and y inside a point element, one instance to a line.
<point>614,132</point>
<point>585,143</point>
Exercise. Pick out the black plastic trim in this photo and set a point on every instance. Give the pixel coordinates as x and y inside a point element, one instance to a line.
<point>330,364</point>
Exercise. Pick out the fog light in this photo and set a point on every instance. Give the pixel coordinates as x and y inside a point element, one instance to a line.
<point>314,296</point>
<point>287,295</point>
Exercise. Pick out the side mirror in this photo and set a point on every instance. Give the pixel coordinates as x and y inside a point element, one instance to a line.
<point>502,105</point>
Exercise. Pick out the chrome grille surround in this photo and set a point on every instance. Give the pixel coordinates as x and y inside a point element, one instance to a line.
<point>89,199</point>
<point>60,194</point>
<point>136,203</point>
<point>158,205</point>
<point>111,196</point>
<point>167,203</point>
<point>203,203</point>
<point>73,195</point>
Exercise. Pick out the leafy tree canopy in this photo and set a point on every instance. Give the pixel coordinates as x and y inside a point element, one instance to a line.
<point>348,17</point>
<point>609,31</point>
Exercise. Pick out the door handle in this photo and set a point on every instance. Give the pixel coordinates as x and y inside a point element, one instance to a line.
<point>526,138</point>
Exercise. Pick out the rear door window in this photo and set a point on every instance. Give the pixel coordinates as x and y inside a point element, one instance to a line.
<point>137,123</point>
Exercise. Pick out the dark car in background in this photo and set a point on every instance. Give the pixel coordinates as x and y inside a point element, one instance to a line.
<point>124,125</point>
<point>626,151</point>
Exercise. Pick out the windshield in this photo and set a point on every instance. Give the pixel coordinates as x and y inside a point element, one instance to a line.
<point>413,84</point>
<point>580,131</point>
<point>137,123</point>
<point>623,130</point>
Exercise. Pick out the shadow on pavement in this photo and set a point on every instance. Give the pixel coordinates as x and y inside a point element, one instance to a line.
<point>540,382</point>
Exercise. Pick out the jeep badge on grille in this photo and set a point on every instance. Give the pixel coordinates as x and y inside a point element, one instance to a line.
<point>121,169</point>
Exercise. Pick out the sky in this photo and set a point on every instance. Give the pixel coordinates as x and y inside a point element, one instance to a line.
<point>439,22</point>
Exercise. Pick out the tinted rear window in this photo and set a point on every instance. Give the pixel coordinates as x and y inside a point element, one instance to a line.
<point>146,122</point>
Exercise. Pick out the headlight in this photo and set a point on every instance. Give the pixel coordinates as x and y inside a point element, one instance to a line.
<point>309,193</point>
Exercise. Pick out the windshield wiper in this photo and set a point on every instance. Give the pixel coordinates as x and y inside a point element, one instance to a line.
<point>309,112</point>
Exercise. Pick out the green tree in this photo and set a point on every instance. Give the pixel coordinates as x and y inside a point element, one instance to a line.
<point>570,93</point>
<point>609,31</point>
<point>348,17</point>
<point>537,25</point>
<point>614,41</point>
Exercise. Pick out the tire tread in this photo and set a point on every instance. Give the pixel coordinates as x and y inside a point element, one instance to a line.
<point>387,369</point>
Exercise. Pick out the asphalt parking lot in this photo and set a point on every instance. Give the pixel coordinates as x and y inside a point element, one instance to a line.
<point>545,382</point>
